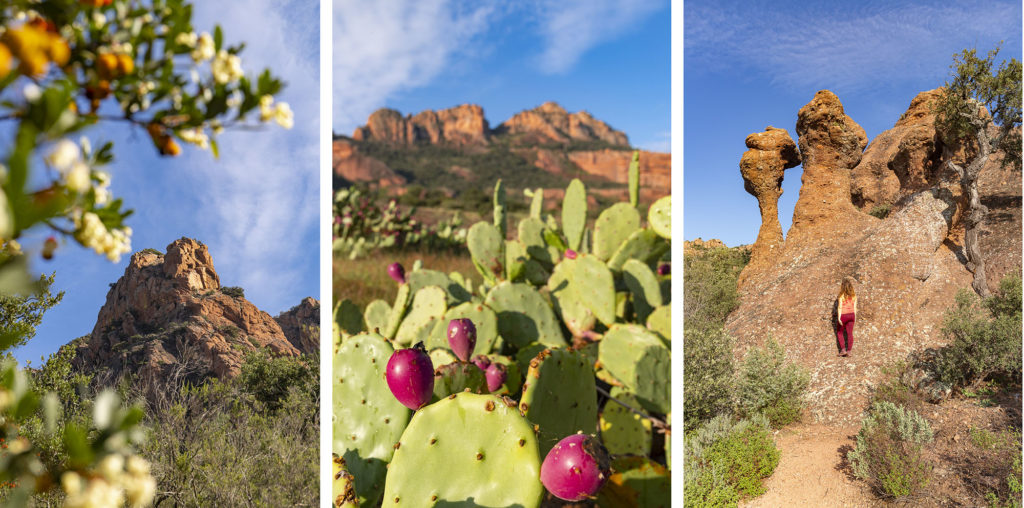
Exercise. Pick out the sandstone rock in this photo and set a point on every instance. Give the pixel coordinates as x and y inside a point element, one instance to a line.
<point>301,325</point>
<point>613,165</point>
<point>168,314</point>
<point>831,144</point>
<point>352,166</point>
<point>461,125</point>
<point>551,123</point>
<point>770,153</point>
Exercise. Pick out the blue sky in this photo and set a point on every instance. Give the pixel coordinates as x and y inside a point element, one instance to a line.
<point>748,65</point>
<point>609,57</point>
<point>256,207</point>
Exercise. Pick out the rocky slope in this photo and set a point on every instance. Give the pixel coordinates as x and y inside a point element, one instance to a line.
<point>301,325</point>
<point>169,313</point>
<point>547,137</point>
<point>908,266</point>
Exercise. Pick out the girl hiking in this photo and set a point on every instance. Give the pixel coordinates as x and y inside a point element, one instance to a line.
<point>846,309</point>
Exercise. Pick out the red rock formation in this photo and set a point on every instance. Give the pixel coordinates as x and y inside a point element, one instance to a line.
<point>352,166</point>
<point>170,311</point>
<point>301,325</point>
<point>551,123</point>
<point>459,126</point>
<point>613,165</point>
<point>770,153</point>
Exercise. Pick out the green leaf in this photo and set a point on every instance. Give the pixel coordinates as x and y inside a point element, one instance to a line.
<point>218,37</point>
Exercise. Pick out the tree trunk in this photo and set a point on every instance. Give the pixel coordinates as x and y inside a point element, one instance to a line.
<point>975,212</point>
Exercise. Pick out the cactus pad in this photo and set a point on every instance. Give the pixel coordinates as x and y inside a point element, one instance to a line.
<point>466,450</point>
<point>531,235</point>
<point>660,322</point>
<point>398,310</point>
<point>422,278</point>
<point>623,431</point>
<point>515,260</point>
<point>527,354</point>
<point>348,318</point>
<point>574,213</point>
<point>368,420</point>
<point>484,318</point>
<point>637,481</point>
<point>523,315</point>
<point>660,217</point>
<point>596,286</point>
<point>644,245</point>
<point>612,227</point>
<point>644,286</point>
<point>536,202</point>
<point>376,316</point>
<point>566,300</point>
<point>428,307</point>
<point>634,179</point>
<point>343,485</point>
<point>441,356</point>
<point>500,210</point>
<point>639,359</point>
<point>560,396</point>
<point>456,377</point>
<point>487,248</point>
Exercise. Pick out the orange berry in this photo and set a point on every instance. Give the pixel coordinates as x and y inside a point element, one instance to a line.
<point>106,65</point>
<point>5,60</point>
<point>96,3</point>
<point>59,51</point>
<point>49,246</point>
<point>125,64</point>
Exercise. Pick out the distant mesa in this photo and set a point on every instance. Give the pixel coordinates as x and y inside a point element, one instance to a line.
<point>168,315</point>
<point>546,137</point>
<point>907,266</point>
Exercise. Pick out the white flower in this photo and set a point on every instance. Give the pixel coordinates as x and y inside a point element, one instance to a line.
<point>71,483</point>
<point>91,233</point>
<point>111,467</point>
<point>32,92</point>
<point>196,137</point>
<point>235,99</point>
<point>283,115</point>
<point>266,111</point>
<point>98,19</point>
<point>205,48</point>
<point>77,177</point>
<point>64,154</point>
<point>187,39</point>
<point>226,67</point>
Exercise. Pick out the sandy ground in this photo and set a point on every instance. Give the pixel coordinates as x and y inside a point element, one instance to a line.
<point>812,470</point>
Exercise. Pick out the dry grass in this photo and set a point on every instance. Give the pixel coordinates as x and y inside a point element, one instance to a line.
<point>364,280</point>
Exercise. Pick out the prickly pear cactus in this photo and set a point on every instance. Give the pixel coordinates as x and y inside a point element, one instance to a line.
<point>613,227</point>
<point>465,450</point>
<point>500,210</point>
<point>596,287</point>
<point>343,485</point>
<point>637,481</point>
<point>457,377</point>
<point>641,361</point>
<point>368,420</point>
<point>441,356</point>
<point>485,320</point>
<point>644,286</point>
<point>644,245</point>
<point>421,278</point>
<point>574,213</point>
<point>659,216</point>
<point>348,318</point>
<point>523,315</point>
<point>514,381</point>
<point>623,431</point>
<point>515,260</point>
<point>428,307</point>
<point>376,316</point>
<point>560,396</point>
<point>660,321</point>
<point>487,248</point>
<point>536,201</point>
<point>634,179</point>
<point>398,310</point>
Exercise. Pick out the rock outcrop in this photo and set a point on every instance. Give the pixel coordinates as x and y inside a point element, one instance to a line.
<point>301,325</point>
<point>907,267</point>
<point>762,166</point>
<point>169,314</point>
<point>551,123</point>
<point>613,165</point>
<point>350,166</point>
<point>459,126</point>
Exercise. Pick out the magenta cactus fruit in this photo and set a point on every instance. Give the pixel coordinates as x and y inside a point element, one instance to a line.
<point>576,468</point>
<point>569,253</point>
<point>664,269</point>
<point>496,376</point>
<point>397,272</point>
<point>462,337</point>
<point>482,361</point>
<point>410,376</point>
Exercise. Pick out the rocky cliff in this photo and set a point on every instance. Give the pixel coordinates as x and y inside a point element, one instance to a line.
<point>301,325</point>
<point>169,312</point>
<point>551,123</point>
<point>907,266</point>
<point>461,125</point>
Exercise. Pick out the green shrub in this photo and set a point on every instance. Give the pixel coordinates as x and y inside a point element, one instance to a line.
<point>984,336</point>
<point>708,363</point>
<point>1001,449</point>
<point>150,250</point>
<point>769,384</point>
<point>888,451</point>
<point>710,277</point>
<point>233,291</point>
<point>268,378</point>
<point>881,211</point>
<point>892,388</point>
<point>726,462</point>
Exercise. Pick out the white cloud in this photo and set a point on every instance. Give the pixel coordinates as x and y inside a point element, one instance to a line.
<point>859,47</point>
<point>572,27</point>
<point>383,47</point>
<point>660,142</point>
<point>258,204</point>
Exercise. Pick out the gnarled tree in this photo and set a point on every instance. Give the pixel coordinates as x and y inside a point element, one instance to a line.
<point>980,113</point>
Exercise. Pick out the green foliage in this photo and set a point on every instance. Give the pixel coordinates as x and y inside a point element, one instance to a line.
<point>150,250</point>
<point>269,378</point>
<point>881,211</point>
<point>770,385</point>
<point>233,291</point>
<point>888,451</point>
<point>727,461</point>
<point>710,277</point>
<point>1002,450</point>
<point>978,81</point>
<point>984,335</point>
<point>21,314</point>
<point>708,363</point>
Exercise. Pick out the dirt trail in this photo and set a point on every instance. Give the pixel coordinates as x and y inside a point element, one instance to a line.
<point>811,470</point>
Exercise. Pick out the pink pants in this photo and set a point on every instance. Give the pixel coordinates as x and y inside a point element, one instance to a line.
<point>845,328</point>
